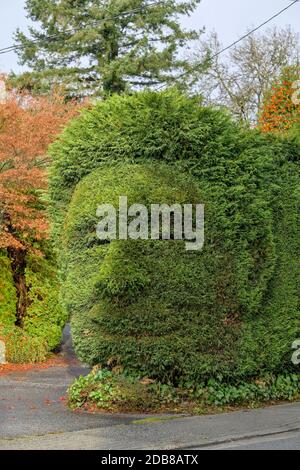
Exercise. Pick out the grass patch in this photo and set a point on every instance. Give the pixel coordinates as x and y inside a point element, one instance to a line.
<point>154,420</point>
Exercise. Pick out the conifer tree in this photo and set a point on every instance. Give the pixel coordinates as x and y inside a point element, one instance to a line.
<point>104,46</point>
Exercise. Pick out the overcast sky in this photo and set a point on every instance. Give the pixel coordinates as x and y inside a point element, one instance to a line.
<point>230,18</point>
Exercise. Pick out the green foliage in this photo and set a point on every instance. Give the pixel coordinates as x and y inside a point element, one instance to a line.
<point>109,391</point>
<point>133,301</point>
<point>103,47</point>
<point>231,310</point>
<point>117,392</point>
<point>45,317</point>
<point>21,347</point>
<point>142,127</point>
<point>268,338</point>
<point>8,296</point>
<point>283,387</point>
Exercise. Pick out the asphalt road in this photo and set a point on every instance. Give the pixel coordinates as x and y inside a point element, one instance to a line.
<point>286,441</point>
<point>33,415</point>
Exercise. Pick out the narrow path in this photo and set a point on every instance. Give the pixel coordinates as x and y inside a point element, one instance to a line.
<point>32,402</point>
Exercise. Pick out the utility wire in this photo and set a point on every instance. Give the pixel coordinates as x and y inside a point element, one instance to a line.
<point>230,46</point>
<point>255,29</point>
<point>15,47</point>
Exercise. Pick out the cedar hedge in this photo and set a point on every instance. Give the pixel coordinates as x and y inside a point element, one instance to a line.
<point>230,311</point>
<point>45,319</point>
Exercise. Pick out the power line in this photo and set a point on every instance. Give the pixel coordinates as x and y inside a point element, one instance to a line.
<point>15,47</point>
<point>230,46</point>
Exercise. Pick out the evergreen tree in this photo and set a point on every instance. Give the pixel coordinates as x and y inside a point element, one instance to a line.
<point>104,46</point>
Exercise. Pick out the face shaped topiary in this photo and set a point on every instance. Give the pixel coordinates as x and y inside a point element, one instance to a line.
<point>150,306</point>
<point>146,305</point>
<point>230,310</point>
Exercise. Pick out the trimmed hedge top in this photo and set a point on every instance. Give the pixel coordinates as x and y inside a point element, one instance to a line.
<point>145,126</point>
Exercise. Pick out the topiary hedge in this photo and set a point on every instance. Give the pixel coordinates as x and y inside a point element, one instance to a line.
<point>155,308</point>
<point>145,126</point>
<point>45,317</point>
<point>146,305</point>
<point>230,311</point>
<point>44,320</point>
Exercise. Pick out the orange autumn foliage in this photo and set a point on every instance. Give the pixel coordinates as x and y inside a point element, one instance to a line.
<point>281,109</point>
<point>27,126</point>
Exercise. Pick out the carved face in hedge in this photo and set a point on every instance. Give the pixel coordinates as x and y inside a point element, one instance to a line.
<point>152,306</point>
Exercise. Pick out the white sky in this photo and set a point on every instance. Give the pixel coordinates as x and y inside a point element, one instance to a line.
<point>230,18</point>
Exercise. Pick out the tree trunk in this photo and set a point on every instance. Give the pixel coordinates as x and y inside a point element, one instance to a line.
<point>113,82</point>
<point>18,265</point>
